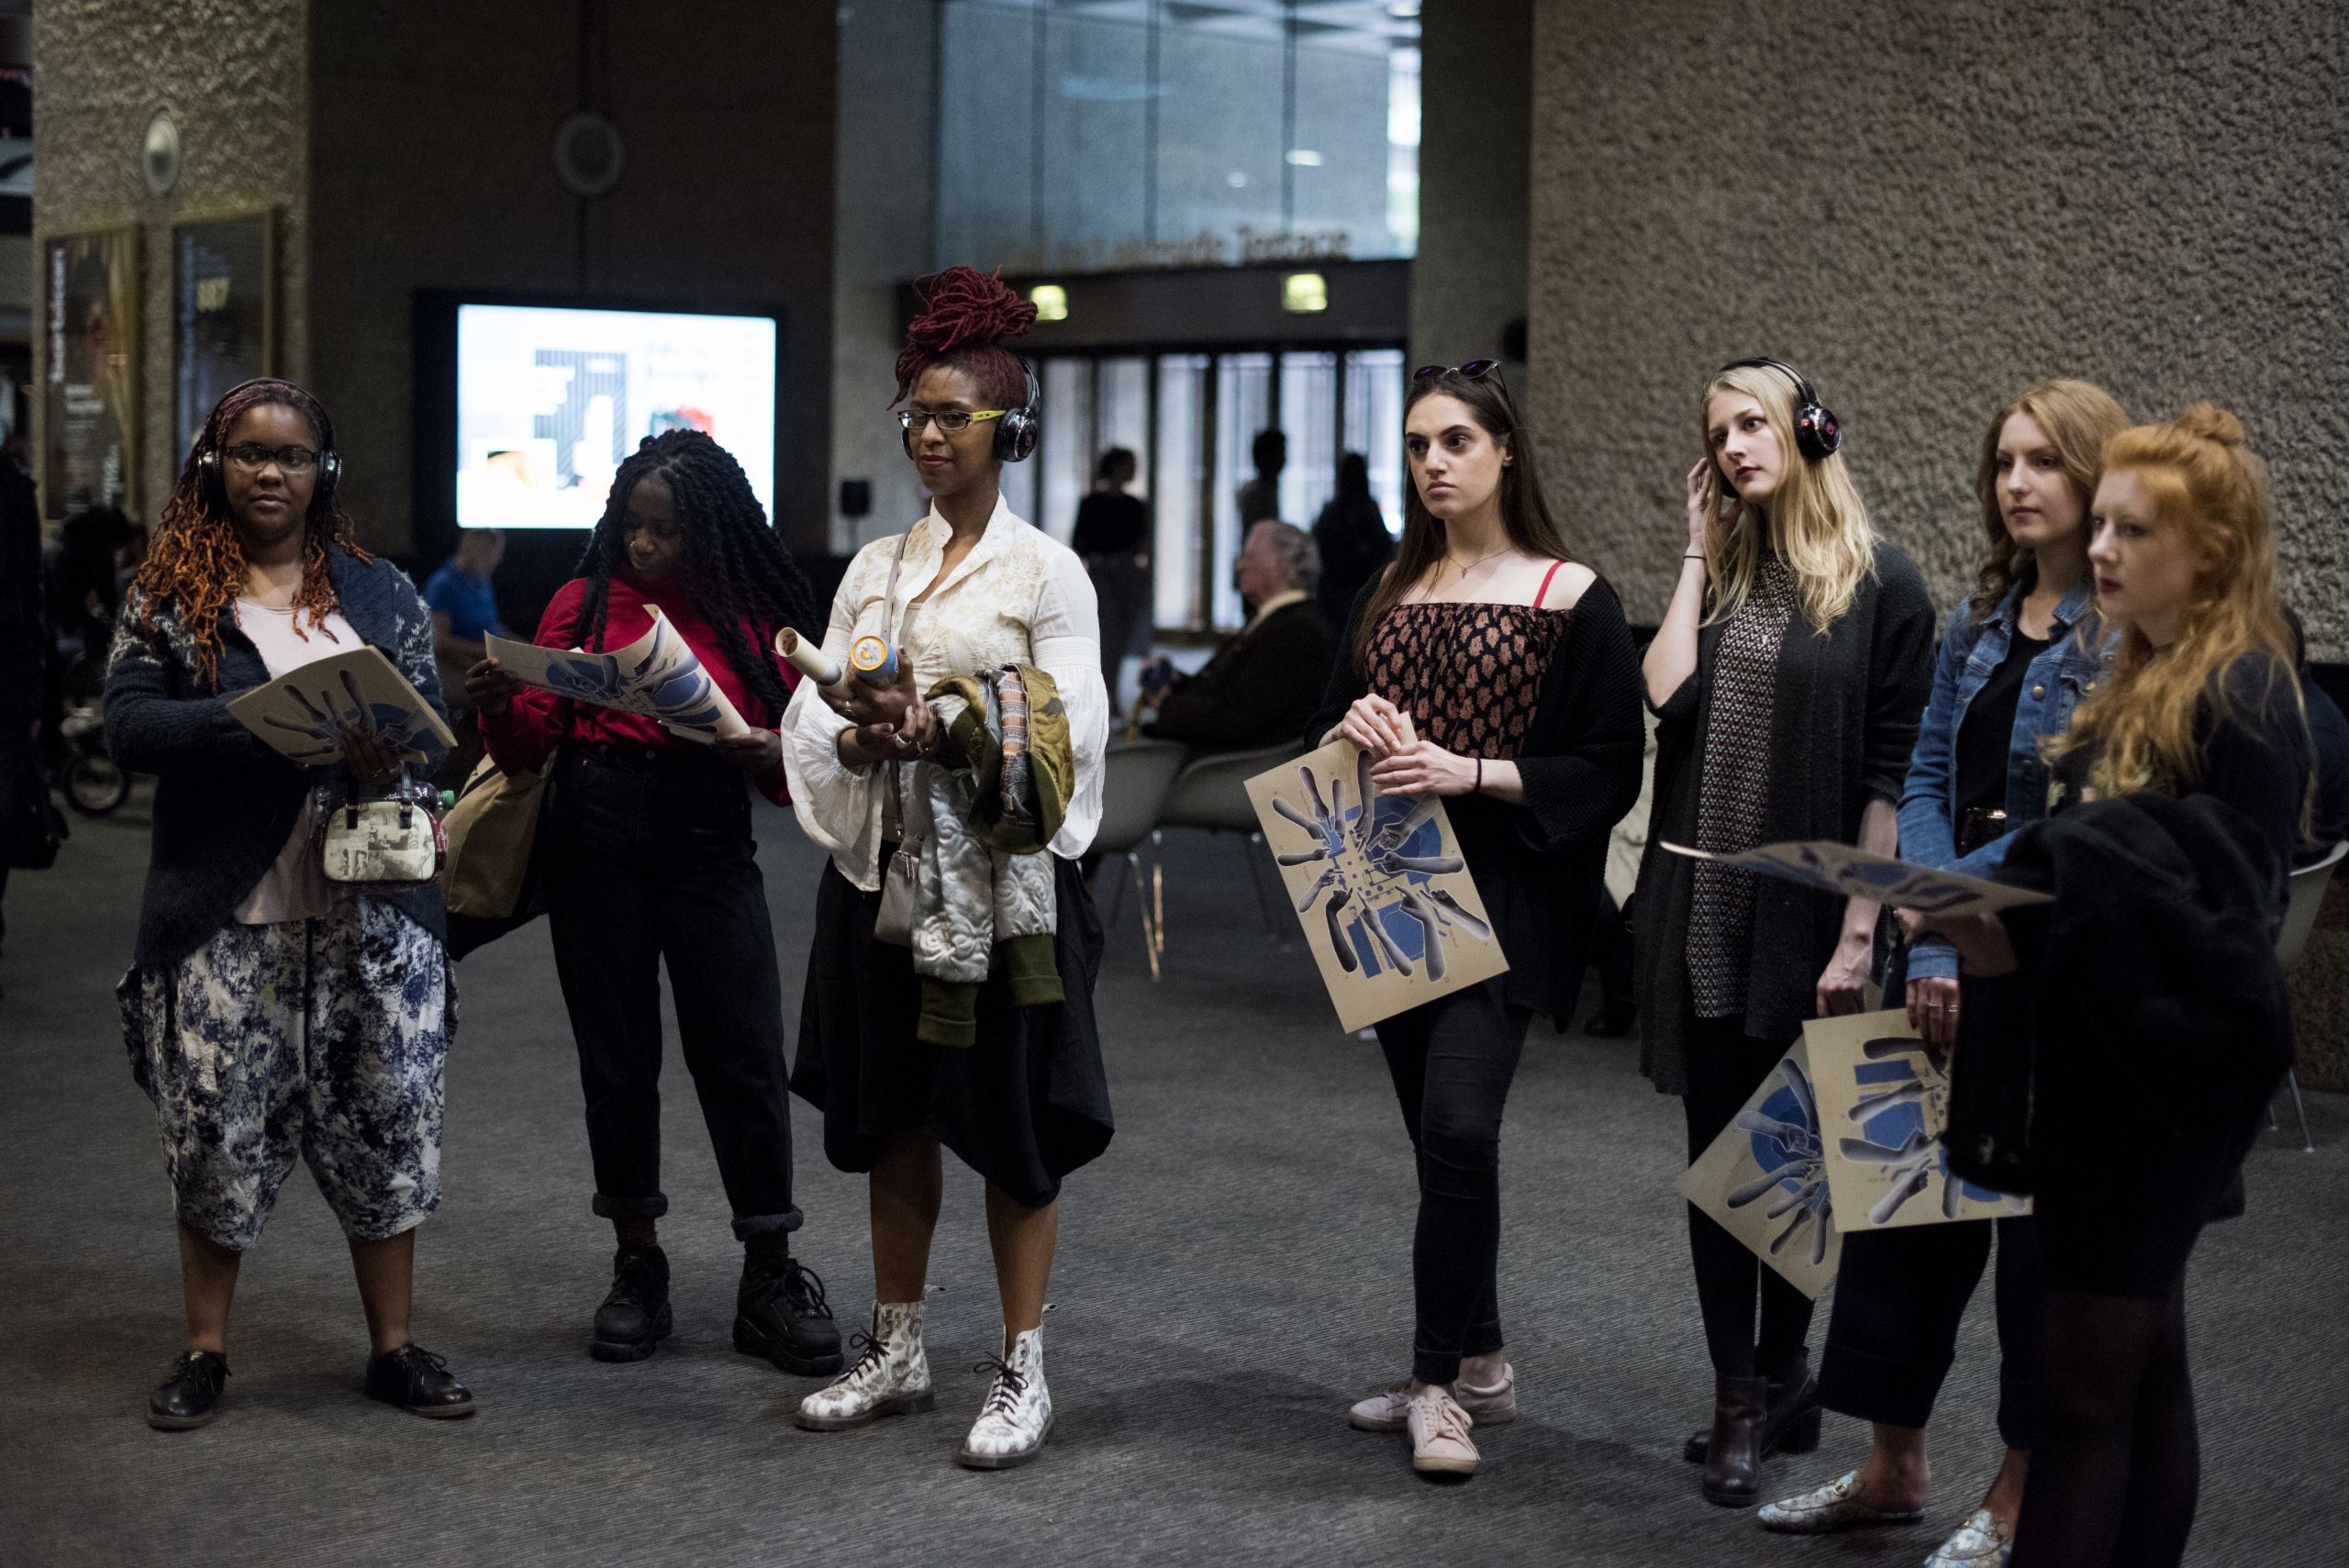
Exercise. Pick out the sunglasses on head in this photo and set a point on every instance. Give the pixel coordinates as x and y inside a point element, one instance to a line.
<point>1474,370</point>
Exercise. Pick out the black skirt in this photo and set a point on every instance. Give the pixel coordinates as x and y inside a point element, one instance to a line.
<point>1025,1106</point>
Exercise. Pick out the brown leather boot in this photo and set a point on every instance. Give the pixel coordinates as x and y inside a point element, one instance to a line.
<point>1732,1473</point>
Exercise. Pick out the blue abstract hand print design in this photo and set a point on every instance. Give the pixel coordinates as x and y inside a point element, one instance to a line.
<point>1785,1141</point>
<point>341,709</point>
<point>667,681</point>
<point>1377,887</point>
<point>1896,1110</point>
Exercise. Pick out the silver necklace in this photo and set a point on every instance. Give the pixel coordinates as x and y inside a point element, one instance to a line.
<point>1479,560</point>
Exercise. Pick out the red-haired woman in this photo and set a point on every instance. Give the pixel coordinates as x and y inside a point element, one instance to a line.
<point>970,591</point>
<point>2162,932</point>
<point>269,1014</point>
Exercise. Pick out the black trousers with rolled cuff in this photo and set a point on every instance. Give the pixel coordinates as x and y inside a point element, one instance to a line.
<point>1899,1297</point>
<point>648,858</point>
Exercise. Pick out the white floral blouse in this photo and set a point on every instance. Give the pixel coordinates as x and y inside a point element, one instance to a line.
<point>1019,596</point>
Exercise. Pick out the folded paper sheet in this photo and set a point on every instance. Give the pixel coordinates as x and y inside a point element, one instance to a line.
<point>306,713</point>
<point>1389,910</point>
<point>658,675</point>
<point>1855,873</point>
<point>1764,1179</point>
<point>1883,1104</point>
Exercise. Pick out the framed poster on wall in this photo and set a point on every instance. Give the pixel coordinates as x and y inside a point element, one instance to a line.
<point>224,312</point>
<point>89,373</point>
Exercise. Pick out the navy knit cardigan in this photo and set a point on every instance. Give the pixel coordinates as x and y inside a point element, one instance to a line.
<point>225,801</point>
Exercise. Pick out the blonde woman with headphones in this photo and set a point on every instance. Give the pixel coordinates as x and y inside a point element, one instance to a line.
<point>1788,678</point>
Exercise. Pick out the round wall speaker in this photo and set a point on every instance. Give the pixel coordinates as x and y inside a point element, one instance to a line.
<point>588,153</point>
<point>159,154</point>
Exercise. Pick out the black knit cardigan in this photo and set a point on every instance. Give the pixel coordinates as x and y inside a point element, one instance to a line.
<point>1842,725</point>
<point>1539,865</point>
<point>225,801</point>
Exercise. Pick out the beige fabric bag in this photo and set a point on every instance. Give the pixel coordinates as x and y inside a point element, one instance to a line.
<point>491,830</point>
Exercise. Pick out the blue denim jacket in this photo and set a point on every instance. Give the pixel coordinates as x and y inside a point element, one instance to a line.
<point>2051,688</point>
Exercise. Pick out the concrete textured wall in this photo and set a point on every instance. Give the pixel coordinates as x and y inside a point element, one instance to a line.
<point>1922,206</point>
<point>1468,280</point>
<point>433,123</point>
<point>234,75</point>
<point>889,137</point>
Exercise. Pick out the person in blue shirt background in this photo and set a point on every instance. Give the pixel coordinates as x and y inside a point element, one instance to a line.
<point>463,604</point>
<point>464,611</point>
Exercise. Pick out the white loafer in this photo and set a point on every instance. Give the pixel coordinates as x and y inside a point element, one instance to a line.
<point>1829,1508</point>
<point>1980,1543</point>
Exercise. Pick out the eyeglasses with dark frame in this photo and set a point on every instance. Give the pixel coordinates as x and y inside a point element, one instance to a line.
<point>252,458</point>
<point>951,420</point>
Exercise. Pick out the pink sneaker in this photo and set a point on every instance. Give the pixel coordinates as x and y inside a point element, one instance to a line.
<point>1390,1409</point>
<point>1439,1444</point>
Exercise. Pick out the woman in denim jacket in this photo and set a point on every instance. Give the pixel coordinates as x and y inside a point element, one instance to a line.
<point>2021,652</point>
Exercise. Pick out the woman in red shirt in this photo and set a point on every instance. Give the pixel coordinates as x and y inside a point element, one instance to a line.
<point>648,855</point>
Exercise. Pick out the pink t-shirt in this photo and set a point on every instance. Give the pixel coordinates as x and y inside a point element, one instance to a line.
<point>296,886</point>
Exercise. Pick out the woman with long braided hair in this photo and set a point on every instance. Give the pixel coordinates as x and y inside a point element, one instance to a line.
<point>647,856</point>
<point>1011,1081</point>
<point>272,1014</point>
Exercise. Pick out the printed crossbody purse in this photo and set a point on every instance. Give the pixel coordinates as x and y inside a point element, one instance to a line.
<point>392,843</point>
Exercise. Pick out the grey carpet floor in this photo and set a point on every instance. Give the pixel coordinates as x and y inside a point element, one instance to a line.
<point>1233,1273</point>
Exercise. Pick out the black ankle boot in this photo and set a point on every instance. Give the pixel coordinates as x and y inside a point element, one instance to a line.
<point>191,1395</point>
<point>633,1316</point>
<point>780,1315</point>
<point>1790,1423</point>
<point>1732,1475</point>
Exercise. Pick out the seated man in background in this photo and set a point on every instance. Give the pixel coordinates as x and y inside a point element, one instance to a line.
<point>1261,687</point>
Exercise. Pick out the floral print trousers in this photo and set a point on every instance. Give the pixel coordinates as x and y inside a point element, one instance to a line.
<point>325,1036</point>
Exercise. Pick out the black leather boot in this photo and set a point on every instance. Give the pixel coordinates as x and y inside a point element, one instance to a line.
<point>780,1315</point>
<point>191,1395</point>
<point>1732,1474</point>
<point>1790,1426</point>
<point>634,1315</point>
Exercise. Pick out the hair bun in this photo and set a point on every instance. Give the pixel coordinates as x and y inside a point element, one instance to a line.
<point>2211,423</point>
<point>963,308</point>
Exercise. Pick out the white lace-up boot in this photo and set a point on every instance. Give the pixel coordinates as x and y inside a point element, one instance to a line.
<point>1017,1416</point>
<point>891,1377</point>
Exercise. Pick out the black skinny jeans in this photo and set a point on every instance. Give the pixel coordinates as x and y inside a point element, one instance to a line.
<point>1900,1295</point>
<point>1452,1060</point>
<point>648,855</point>
<point>1725,1066</point>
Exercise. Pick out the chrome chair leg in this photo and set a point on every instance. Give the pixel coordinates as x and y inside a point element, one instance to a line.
<point>2300,1107</point>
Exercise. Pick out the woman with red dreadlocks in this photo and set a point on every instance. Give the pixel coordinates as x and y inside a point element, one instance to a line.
<point>975,758</point>
<point>271,1014</point>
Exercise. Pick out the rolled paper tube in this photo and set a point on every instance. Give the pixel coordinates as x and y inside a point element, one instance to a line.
<point>873,659</point>
<point>808,659</point>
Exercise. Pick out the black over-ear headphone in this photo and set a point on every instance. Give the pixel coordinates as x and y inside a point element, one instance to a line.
<point>1015,431</point>
<point>1817,433</point>
<point>207,456</point>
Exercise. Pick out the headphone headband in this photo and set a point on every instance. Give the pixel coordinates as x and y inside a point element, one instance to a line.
<point>207,449</point>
